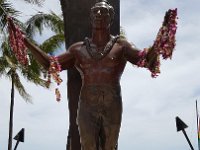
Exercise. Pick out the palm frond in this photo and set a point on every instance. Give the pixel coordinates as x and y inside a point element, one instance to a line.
<point>20,24</point>
<point>34,65</point>
<point>53,43</point>
<point>56,23</point>
<point>40,20</point>
<point>3,37</point>
<point>6,10</point>
<point>10,62</point>
<point>7,52</point>
<point>32,76</point>
<point>37,2</point>
<point>18,85</point>
<point>3,66</point>
<point>31,73</point>
<point>34,24</point>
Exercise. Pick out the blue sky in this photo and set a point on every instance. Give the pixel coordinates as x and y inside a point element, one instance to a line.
<point>149,105</point>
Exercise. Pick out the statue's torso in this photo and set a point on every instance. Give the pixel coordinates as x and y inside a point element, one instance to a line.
<point>106,70</point>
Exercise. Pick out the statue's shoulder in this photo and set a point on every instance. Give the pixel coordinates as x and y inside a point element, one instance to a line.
<point>76,46</point>
<point>122,41</point>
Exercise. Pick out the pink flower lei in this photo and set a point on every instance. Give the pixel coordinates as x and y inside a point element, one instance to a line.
<point>53,72</point>
<point>163,45</point>
<point>154,68</point>
<point>165,40</point>
<point>16,40</point>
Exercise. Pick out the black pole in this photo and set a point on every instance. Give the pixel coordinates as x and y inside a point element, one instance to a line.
<point>187,139</point>
<point>16,145</point>
<point>11,116</point>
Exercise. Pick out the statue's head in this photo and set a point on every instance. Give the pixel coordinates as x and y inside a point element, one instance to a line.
<point>102,10</point>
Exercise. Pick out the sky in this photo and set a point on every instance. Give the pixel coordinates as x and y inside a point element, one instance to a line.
<point>149,105</point>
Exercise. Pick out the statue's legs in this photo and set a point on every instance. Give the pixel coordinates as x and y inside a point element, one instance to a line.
<point>99,117</point>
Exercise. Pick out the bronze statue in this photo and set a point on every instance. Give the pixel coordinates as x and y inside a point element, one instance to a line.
<point>100,60</point>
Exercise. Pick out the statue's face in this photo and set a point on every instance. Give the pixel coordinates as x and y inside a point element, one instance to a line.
<point>100,16</point>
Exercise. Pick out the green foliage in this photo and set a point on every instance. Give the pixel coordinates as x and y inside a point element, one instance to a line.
<point>39,21</point>
<point>13,75</point>
<point>6,10</point>
<point>9,66</point>
<point>3,66</point>
<point>37,2</point>
<point>53,43</point>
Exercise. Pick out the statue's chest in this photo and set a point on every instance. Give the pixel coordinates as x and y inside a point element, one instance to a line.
<point>112,59</point>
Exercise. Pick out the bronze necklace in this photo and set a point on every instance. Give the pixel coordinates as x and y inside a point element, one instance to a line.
<point>95,54</point>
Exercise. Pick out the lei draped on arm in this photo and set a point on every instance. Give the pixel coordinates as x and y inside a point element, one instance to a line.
<point>18,47</point>
<point>163,45</point>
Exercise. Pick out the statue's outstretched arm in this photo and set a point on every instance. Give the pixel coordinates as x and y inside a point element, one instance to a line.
<point>163,45</point>
<point>65,60</point>
<point>19,44</point>
<point>142,58</point>
<point>39,55</point>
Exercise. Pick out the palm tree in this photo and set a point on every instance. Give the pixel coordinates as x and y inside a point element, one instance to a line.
<point>10,67</point>
<point>9,61</point>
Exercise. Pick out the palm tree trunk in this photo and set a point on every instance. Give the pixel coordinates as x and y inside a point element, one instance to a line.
<point>11,115</point>
<point>77,27</point>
